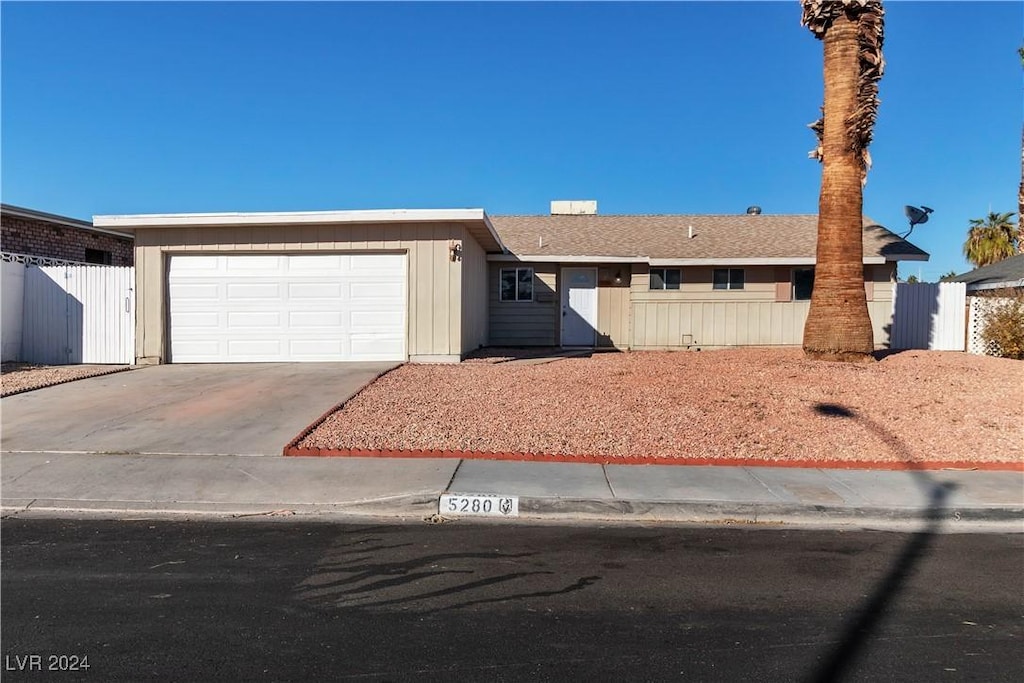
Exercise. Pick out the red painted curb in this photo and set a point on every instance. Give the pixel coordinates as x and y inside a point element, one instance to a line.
<point>295,451</point>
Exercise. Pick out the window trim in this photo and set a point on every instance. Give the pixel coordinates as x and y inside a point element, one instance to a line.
<point>664,279</point>
<point>516,299</point>
<point>792,285</point>
<point>729,285</point>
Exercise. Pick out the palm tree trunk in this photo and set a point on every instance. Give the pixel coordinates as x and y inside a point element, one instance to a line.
<point>838,325</point>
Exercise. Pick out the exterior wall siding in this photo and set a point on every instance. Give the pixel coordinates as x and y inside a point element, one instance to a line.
<point>435,323</point>
<point>613,306</point>
<point>698,315</point>
<point>474,295</point>
<point>524,323</point>
<point>680,324</point>
<point>42,238</point>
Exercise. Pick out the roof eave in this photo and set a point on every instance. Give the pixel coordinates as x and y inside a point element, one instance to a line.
<point>32,214</point>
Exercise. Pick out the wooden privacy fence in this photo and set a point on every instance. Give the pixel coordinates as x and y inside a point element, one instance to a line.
<point>929,316</point>
<point>73,313</point>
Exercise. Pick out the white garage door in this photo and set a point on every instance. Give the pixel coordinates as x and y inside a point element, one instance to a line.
<point>287,307</point>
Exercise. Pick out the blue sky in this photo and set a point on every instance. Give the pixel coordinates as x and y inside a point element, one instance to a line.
<point>690,107</point>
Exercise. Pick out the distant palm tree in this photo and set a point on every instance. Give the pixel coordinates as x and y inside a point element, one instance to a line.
<point>838,325</point>
<point>992,239</point>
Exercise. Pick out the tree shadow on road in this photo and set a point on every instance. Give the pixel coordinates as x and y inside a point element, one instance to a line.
<point>858,630</point>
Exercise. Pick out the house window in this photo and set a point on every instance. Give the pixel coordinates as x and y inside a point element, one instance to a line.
<point>517,284</point>
<point>103,258</point>
<point>728,278</point>
<point>666,278</point>
<point>803,283</point>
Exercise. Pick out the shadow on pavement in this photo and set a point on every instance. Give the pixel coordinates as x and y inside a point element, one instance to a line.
<point>857,631</point>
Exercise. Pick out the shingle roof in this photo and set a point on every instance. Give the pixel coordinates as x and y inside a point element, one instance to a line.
<point>1008,270</point>
<point>667,236</point>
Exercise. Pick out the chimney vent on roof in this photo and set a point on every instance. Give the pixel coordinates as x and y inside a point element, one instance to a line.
<point>574,207</point>
<point>754,210</point>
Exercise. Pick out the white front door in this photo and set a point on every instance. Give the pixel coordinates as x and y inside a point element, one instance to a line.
<point>287,307</point>
<point>579,306</point>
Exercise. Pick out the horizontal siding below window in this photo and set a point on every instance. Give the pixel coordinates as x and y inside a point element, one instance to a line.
<point>524,323</point>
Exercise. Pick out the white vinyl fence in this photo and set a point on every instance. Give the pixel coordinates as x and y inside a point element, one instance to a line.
<point>929,316</point>
<point>70,313</point>
<point>13,292</point>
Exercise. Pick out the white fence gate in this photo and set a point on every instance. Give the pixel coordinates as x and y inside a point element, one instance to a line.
<point>929,316</point>
<point>72,313</point>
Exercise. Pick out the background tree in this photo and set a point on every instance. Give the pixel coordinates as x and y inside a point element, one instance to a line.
<point>992,239</point>
<point>838,325</point>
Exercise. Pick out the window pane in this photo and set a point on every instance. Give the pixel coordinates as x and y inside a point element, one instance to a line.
<point>657,278</point>
<point>721,278</point>
<point>508,284</point>
<point>525,284</point>
<point>673,276</point>
<point>803,283</point>
<point>736,278</point>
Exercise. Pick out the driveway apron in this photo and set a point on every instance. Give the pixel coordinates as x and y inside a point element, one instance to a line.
<point>236,409</point>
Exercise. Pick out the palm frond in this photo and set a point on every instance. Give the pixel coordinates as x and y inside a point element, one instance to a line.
<point>818,16</point>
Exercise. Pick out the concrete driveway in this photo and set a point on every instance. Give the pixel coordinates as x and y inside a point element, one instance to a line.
<point>236,409</point>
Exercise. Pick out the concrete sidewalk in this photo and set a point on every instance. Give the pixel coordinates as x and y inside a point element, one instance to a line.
<point>54,483</point>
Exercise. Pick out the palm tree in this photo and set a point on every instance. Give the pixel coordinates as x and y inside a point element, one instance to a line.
<point>838,325</point>
<point>1020,188</point>
<point>992,239</point>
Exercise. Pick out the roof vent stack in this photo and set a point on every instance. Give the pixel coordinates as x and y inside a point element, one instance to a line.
<point>754,210</point>
<point>574,207</point>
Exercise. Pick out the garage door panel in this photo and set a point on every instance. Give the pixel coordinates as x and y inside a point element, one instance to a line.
<point>377,291</point>
<point>197,319</point>
<point>205,348</point>
<point>375,263</point>
<point>316,265</point>
<point>187,265</point>
<point>260,308</point>
<point>192,291</point>
<point>254,290</point>
<point>266,319</point>
<point>313,320</point>
<point>316,290</point>
<point>253,265</point>
<point>363,322</point>
<point>315,348</point>
<point>377,347</point>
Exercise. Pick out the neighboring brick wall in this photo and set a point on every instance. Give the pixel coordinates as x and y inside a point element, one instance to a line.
<point>43,238</point>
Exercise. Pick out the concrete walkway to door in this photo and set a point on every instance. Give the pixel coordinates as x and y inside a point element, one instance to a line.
<point>230,409</point>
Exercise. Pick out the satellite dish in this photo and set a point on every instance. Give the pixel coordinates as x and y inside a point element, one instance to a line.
<point>916,216</point>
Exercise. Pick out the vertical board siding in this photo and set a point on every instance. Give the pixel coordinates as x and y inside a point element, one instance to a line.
<point>929,316</point>
<point>679,324</point>
<point>78,314</point>
<point>474,294</point>
<point>12,310</point>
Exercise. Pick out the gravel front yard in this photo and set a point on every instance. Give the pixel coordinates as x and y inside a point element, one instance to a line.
<point>19,377</point>
<point>762,404</point>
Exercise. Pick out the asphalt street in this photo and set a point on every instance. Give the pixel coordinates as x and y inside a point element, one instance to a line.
<point>142,599</point>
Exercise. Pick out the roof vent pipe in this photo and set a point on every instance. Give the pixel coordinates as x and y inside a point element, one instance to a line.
<point>691,232</point>
<point>753,210</point>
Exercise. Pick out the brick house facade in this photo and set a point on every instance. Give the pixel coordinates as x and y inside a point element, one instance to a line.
<point>24,231</point>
